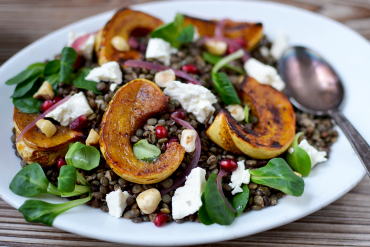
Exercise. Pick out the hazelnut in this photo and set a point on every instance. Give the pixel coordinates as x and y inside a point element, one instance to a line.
<point>92,138</point>
<point>46,127</point>
<point>188,138</point>
<point>216,47</point>
<point>236,112</point>
<point>148,200</point>
<point>119,43</point>
<point>45,91</point>
<point>163,78</point>
<point>298,174</point>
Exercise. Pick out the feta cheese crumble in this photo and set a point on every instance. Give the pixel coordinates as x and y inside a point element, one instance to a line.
<point>76,106</point>
<point>109,71</point>
<point>86,49</point>
<point>279,45</point>
<point>315,155</point>
<point>264,74</point>
<point>160,50</point>
<point>238,177</point>
<point>113,87</point>
<point>116,201</point>
<point>187,199</point>
<point>193,98</point>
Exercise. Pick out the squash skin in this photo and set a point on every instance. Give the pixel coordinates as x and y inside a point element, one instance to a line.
<point>123,23</point>
<point>36,147</point>
<point>129,109</point>
<point>272,134</point>
<point>251,33</point>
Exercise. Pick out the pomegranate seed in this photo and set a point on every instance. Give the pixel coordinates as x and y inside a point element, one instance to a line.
<point>78,123</point>
<point>231,49</point>
<point>57,99</point>
<point>191,82</point>
<point>240,41</point>
<point>46,105</point>
<point>179,113</point>
<point>229,165</point>
<point>172,139</point>
<point>190,68</point>
<point>161,132</point>
<point>79,62</point>
<point>61,162</point>
<point>160,219</point>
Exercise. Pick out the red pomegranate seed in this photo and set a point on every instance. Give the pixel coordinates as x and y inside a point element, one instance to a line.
<point>57,99</point>
<point>46,105</point>
<point>179,113</point>
<point>160,219</point>
<point>172,139</point>
<point>231,49</point>
<point>228,165</point>
<point>161,132</point>
<point>79,62</point>
<point>61,162</point>
<point>191,82</point>
<point>78,123</point>
<point>190,68</point>
<point>240,41</point>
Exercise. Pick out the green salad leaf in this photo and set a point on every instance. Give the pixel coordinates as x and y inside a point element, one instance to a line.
<point>43,212</point>
<point>30,181</point>
<point>82,156</point>
<point>299,160</point>
<point>278,175</point>
<point>78,190</point>
<point>203,215</point>
<point>145,151</point>
<point>33,71</point>
<point>82,180</point>
<point>23,88</point>
<point>246,112</point>
<point>68,59</point>
<point>173,32</point>
<point>27,104</point>
<point>225,89</point>
<point>67,178</point>
<point>215,206</point>
<point>52,67</point>
<point>240,200</point>
<point>80,82</point>
<point>213,59</point>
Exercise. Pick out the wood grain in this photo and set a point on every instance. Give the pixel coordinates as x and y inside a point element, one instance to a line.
<point>345,222</point>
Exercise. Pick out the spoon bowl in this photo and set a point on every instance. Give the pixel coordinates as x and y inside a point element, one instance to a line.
<point>313,86</point>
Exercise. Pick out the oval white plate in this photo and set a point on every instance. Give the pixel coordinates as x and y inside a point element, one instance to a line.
<point>347,51</point>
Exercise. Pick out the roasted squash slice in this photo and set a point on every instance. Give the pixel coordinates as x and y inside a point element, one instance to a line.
<point>274,131</point>
<point>250,32</point>
<point>125,22</point>
<point>129,109</point>
<point>36,147</point>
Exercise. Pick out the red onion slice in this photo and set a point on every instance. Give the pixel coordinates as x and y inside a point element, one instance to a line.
<point>182,178</point>
<point>158,67</point>
<point>133,43</point>
<point>220,175</point>
<point>219,30</point>
<point>28,127</point>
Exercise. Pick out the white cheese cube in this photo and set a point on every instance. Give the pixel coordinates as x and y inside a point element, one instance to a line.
<point>109,71</point>
<point>315,155</point>
<point>279,45</point>
<point>159,49</point>
<point>113,87</point>
<point>188,138</point>
<point>76,106</point>
<point>238,177</point>
<point>116,201</point>
<point>193,98</point>
<point>236,112</point>
<point>264,74</point>
<point>187,199</point>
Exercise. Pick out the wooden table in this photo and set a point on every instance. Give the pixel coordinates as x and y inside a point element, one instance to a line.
<point>345,222</point>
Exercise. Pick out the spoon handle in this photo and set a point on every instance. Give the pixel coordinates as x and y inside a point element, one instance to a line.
<point>358,143</point>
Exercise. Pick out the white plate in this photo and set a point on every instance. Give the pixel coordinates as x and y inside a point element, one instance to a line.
<point>347,51</point>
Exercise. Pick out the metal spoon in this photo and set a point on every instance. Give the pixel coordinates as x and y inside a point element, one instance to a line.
<point>314,87</point>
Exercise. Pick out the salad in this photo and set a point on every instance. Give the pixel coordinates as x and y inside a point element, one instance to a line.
<point>184,121</point>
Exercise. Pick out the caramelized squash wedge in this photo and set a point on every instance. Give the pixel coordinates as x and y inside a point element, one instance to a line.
<point>125,22</point>
<point>36,147</point>
<point>129,109</point>
<point>271,135</point>
<point>250,32</point>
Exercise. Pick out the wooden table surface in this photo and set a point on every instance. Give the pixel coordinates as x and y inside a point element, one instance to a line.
<point>345,222</point>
